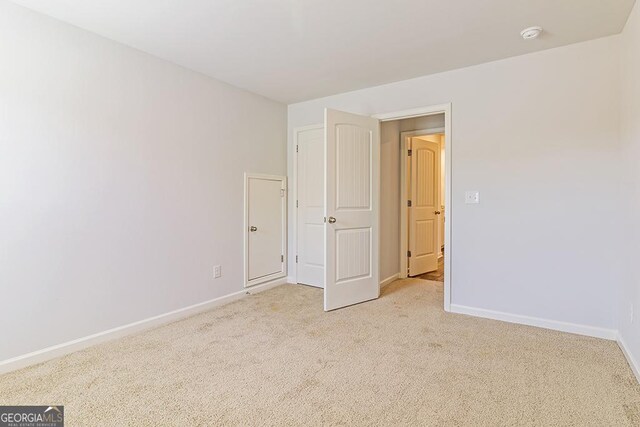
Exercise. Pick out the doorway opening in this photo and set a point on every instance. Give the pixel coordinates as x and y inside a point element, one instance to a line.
<point>423,174</point>
<point>347,224</point>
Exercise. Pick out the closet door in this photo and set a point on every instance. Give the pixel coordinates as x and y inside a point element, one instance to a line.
<point>310,206</point>
<point>265,228</point>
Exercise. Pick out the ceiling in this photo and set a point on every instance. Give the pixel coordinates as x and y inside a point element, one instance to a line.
<point>294,50</point>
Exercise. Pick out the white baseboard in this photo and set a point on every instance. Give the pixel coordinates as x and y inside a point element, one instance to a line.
<point>635,367</point>
<point>388,280</point>
<point>59,350</point>
<point>591,331</point>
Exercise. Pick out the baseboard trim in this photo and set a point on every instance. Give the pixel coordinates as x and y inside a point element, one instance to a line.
<point>59,350</point>
<point>635,367</point>
<point>388,280</point>
<point>574,328</point>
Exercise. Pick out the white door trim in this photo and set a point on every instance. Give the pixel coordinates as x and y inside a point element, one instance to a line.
<point>294,190</point>
<point>283,188</point>
<point>428,111</point>
<point>404,196</point>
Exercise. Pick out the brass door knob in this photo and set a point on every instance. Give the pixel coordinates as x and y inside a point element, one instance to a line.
<point>332,220</point>
<point>252,228</point>
<point>437,212</point>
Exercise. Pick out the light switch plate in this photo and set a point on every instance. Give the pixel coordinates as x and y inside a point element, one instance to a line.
<point>217,271</point>
<point>472,197</point>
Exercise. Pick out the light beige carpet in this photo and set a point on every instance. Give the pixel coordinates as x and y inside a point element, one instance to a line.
<point>277,359</point>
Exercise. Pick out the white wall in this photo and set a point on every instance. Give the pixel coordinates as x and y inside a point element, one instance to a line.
<point>121,182</point>
<point>389,199</point>
<point>537,135</point>
<point>630,135</point>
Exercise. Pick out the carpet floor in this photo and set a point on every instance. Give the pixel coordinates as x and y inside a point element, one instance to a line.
<point>276,358</point>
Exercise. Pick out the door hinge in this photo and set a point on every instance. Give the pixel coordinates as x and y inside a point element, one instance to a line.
<point>296,148</point>
<point>281,258</point>
<point>409,254</point>
<point>409,152</point>
<point>409,203</point>
<point>282,192</point>
<point>296,259</point>
<point>296,203</point>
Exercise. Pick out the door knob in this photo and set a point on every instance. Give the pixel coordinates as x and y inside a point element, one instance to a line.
<point>332,220</point>
<point>252,228</point>
<point>437,212</point>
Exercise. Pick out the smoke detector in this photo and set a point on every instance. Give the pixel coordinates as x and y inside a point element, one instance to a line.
<point>531,33</point>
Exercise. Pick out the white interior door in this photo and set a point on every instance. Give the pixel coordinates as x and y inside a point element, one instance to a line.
<point>424,246</point>
<point>310,205</point>
<point>265,222</point>
<point>352,182</point>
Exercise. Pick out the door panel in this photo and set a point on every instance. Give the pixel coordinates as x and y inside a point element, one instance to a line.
<point>353,167</point>
<point>352,205</point>
<point>310,227</point>
<point>353,254</point>
<point>424,237</point>
<point>425,203</point>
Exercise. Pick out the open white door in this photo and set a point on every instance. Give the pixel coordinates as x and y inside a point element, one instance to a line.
<point>352,182</point>
<point>424,245</point>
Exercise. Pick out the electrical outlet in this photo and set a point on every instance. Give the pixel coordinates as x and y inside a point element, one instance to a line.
<point>217,271</point>
<point>472,197</point>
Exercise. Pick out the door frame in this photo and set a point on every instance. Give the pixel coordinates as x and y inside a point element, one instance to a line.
<point>283,188</point>
<point>294,190</point>
<point>429,111</point>
<point>445,109</point>
<point>404,209</point>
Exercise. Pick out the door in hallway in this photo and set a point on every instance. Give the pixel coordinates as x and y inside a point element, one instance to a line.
<point>425,206</point>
